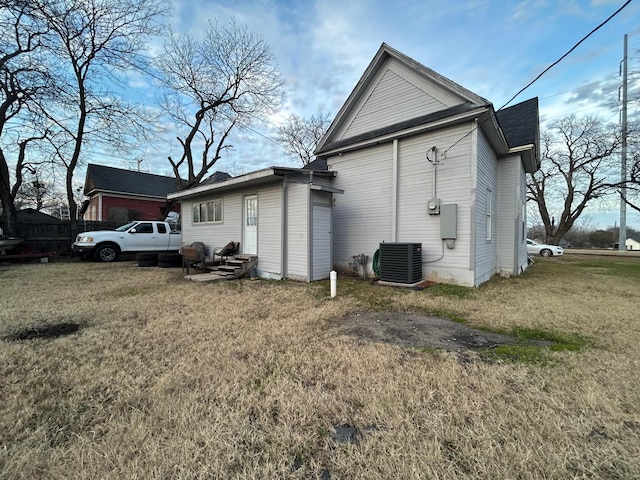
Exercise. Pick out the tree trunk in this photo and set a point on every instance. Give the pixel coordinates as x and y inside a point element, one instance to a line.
<point>10,226</point>
<point>73,207</point>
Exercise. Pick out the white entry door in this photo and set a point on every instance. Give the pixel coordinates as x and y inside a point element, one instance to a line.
<point>250,230</point>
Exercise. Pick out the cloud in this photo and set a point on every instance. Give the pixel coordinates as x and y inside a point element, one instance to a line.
<point>322,48</point>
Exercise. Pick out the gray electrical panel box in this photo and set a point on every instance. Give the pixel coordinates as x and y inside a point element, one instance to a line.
<point>449,221</point>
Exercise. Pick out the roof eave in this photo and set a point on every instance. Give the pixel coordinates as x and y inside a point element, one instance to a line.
<point>250,179</point>
<point>445,122</point>
<point>234,181</point>
<point>489,125</point>
<point>94,191</point>
<point>529,156</point>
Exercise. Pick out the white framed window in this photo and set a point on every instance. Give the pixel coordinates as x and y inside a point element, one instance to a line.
<point>207,212</point>
<point>489,207</point>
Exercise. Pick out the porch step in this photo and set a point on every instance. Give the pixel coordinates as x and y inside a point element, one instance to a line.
<point>205,277</point>
<point>235,267</point>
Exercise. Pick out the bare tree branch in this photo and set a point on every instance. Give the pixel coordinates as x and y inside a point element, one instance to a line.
<point>299,136</point>
<point>576,168</point>
<point>210,86</point>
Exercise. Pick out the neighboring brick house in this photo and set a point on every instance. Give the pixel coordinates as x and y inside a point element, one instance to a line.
<point>118,195</point>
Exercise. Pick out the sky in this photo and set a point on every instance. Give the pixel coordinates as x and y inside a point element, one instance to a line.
<point>491,47</point>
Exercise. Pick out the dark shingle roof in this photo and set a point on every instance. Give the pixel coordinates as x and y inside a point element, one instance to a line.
<point>317,164</point>
<point>31,215</point>
<point>519,123</point>
<point>102,178</point>
<point>216,177</point>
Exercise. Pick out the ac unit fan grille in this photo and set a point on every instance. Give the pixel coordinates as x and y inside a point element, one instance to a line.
<point>401,262</point>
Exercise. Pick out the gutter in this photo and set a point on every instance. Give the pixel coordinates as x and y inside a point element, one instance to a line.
<point>97,191</point>
<point>264,173</point>
<point>529,156</point>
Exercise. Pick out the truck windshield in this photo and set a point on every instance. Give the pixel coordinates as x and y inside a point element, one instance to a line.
<point>126,227</point>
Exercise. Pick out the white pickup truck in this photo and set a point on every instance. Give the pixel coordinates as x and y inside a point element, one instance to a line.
<point>140,236</point>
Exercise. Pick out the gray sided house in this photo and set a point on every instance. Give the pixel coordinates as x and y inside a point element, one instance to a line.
<point>282,215</point>
<point>423,160</point>
<point>414,158</point>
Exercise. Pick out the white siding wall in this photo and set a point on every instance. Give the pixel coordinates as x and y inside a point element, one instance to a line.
<point>270,230</point>
<point>508,215</point>
<point>318,180</point>
<point>453,184</point>
<point>297,231</point>
<point>362,215</point>
<point>487,181</point>
<point>218,234</point>
<point>512,245</point>
<point>396,95</point>
<point>521,234</point>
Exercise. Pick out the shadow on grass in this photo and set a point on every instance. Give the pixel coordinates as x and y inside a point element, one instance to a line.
<point>44,331</point>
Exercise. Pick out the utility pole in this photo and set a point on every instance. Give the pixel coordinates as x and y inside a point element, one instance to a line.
<point>622,234</point>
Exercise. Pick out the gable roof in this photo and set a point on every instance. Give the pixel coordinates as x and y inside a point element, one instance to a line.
<point>31,215</point>
<point>521,126</point>
<point>443,94</point>
<point>517,123</point>
<point>101,178</point>
<point>377,110</point>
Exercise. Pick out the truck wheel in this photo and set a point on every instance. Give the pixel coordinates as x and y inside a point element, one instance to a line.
<point>169,260</point>
<point>147,259</point>
<point>106,253</point>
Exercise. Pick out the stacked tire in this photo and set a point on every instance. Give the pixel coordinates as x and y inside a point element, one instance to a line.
<point>147,259</point>
<point>169,260</point>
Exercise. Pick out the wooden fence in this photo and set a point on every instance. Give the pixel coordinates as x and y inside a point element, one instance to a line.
<point>57,237</point>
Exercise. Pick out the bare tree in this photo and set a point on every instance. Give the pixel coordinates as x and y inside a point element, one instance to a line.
<point>212,86</point>
<point>96,42</point>
<point>576,168</point>
<point>631,193</point>
<point>300,136</point>
<point>24,79</point>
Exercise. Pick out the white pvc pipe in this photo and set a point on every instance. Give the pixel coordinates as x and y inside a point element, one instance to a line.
<point>334,279</point>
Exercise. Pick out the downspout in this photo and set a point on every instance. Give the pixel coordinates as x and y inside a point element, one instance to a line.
<point>474,198</point>
<point>100,208</point>
<point>394,193</point>
<point>310,229</point>
<point>284,230</point>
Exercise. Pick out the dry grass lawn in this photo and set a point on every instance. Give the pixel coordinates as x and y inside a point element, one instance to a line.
<point>254,379</point>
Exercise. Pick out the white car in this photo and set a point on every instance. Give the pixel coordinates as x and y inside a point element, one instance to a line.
<point>534,248</point>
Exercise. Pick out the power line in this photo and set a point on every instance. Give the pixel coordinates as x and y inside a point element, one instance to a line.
<point>258,133</point>
<point>542,73</point>
<point>568,52</point>
<point>598,82</point>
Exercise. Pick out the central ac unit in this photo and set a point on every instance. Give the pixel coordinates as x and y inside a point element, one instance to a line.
<point>401,262</point>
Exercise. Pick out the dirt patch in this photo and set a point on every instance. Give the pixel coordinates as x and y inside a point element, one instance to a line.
<point>413,330</point>
<point>44,331</point>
